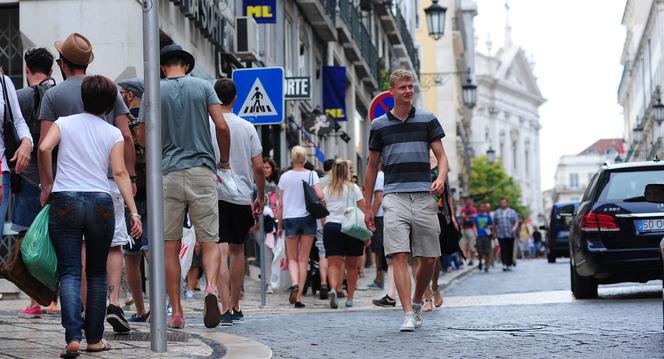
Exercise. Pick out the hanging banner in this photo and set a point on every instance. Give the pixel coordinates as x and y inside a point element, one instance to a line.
<point>334,92</point>
<point>263,11</point>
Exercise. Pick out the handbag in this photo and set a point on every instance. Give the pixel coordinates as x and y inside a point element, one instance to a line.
<point>353,221</point>
<point>9,134</point>
<point>16,272</point>
<point>314,205</point>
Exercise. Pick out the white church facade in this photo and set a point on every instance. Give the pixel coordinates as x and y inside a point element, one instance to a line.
<point>506,119</point>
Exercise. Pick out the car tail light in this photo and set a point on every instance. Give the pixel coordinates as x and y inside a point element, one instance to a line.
<point>598,222</point>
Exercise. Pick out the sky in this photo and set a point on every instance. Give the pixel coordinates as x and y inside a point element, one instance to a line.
<point>576,45</point>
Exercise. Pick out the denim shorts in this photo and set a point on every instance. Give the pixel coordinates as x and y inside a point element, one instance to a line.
<point>26,205</point>
<point>305,226</point>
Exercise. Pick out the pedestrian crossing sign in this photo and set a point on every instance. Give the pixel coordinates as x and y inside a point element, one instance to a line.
<point>260,95</point>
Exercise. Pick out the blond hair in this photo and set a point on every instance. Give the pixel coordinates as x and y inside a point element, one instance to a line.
<point>298,154</point>
<point>339,178</point>
<point>401,75</point>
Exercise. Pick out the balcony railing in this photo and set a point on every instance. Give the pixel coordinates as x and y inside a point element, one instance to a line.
<point>407,40</point>
<point>330,8</point>
<point>353,20</point>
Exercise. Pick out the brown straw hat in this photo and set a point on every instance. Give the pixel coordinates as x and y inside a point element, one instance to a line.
<point>76,48</point>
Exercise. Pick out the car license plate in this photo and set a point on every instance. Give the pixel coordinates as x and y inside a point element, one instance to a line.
<point>650,225</point>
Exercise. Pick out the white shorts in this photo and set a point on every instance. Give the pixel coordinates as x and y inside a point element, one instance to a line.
<point>121,236</point>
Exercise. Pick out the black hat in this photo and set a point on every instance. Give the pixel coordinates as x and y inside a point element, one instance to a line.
<point>174,50</point>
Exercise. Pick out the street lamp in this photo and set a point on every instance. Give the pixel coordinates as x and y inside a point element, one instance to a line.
<point>658,108</point>
<point>638,132</point>
<point>491,155</point>
<point>470,94</point>
<point>436,19</point>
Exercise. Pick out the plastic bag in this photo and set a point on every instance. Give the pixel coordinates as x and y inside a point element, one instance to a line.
<point>226,185</point>
<point>38,252</point>
<point>280,278</point>
<point>187,250</point>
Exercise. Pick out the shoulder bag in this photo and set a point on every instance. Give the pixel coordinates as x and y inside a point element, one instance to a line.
<point>353,222</point>
<point>9,134</point>
<point>314,205</point>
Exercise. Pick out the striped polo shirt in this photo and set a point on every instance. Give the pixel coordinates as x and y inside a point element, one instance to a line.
<point>404,149</point>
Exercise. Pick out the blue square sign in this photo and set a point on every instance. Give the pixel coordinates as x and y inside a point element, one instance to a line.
<point>260,95</point>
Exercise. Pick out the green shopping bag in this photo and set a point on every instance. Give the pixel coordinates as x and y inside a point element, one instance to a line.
<point>38,252</point>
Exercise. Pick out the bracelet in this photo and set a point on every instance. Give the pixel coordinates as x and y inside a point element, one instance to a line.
<point>136,215</point>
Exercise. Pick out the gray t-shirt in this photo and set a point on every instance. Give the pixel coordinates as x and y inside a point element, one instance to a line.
<point>65,100</point>
<point>185,128</point>
<point>244,146</point>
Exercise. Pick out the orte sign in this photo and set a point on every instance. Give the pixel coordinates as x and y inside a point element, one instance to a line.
<point>298,88</point>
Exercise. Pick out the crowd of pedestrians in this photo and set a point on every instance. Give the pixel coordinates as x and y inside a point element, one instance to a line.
<point>96,186</point>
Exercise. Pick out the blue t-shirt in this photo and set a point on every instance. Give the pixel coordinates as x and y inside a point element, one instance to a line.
<point>483,221</point>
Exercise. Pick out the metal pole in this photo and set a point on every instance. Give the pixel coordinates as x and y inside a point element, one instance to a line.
<point>152,108</point>
<point>261,239</point>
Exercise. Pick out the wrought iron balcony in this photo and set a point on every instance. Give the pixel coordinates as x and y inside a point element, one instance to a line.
<point>322,16</point>
<point>399,35</point>
<point>357,41</point>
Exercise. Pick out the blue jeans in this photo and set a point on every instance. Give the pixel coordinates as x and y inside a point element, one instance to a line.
<point>6,183</point>
<point>26,205</point>
<point>73,215</point>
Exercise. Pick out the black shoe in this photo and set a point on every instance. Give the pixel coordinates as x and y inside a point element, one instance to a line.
<point>299,305</point>
<point>236,315</point>
<point>385,301</point>
<point>226,319</point>
<point>324,292</point>
<point>115,317</point>
<point>341,294</point>
<point>292,298</point>
<point>470,263</point>
<point>480,266</point>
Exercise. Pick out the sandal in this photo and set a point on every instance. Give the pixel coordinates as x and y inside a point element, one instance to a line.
<point>104,347</point>
<point>71,350</point>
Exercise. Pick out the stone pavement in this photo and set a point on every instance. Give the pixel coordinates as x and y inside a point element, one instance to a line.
<point>33,338</point>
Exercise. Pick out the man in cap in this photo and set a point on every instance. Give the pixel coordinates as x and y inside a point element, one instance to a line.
<point>131,91</point>
<point>189,168</point>
<point>75,54</point>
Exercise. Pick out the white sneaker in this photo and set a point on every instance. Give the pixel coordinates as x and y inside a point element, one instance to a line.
<point>189,295</point>
<point>417,313</point>
<point>268,289</point>
<point>408,324</point>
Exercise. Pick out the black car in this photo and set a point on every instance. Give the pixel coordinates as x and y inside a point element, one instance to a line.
<point>557,239</point>
<point>615,233</point>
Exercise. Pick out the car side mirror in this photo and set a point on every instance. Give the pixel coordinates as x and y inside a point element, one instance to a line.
<point>654,193</point>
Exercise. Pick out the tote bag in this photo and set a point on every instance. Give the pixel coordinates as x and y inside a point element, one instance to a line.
<point>353,221</point>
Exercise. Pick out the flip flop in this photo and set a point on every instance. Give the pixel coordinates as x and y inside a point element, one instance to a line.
<point>71,350</point>
<point>104,347</point>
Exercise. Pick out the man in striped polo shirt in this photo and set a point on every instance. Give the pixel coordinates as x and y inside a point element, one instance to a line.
<point>402,139</point>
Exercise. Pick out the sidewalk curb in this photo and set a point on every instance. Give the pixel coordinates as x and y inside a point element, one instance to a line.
<point>238,347</point>
<point>458,275</point>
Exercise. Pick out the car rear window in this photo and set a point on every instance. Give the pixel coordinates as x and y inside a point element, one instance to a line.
<point>630,186</point>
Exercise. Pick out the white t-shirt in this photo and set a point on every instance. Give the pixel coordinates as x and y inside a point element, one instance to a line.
<point>245,145</point>
<point>378,187</point>
<point>84,153</point>
<point>337,204</point>
<point>291,183</point>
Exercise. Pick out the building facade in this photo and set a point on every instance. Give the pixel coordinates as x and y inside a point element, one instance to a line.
<point>447,64</point>
<point>506,119</point>
<point>642,78</point>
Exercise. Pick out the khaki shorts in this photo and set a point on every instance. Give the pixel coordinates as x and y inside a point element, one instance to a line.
<point>196,188</point>
<point>411,224</point>
<point>469,241</point>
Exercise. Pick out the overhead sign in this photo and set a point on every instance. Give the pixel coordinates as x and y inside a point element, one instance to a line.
<point>298,88</point>
<point>206,16</point>
<point>263,11</point>
<point>260,95</point>
<point>379,106</point>
<point>334,92</point>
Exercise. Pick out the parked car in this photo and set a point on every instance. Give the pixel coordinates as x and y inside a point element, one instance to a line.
<point>655,194</point>
<point>557,233</point>
<point>615,232</point>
